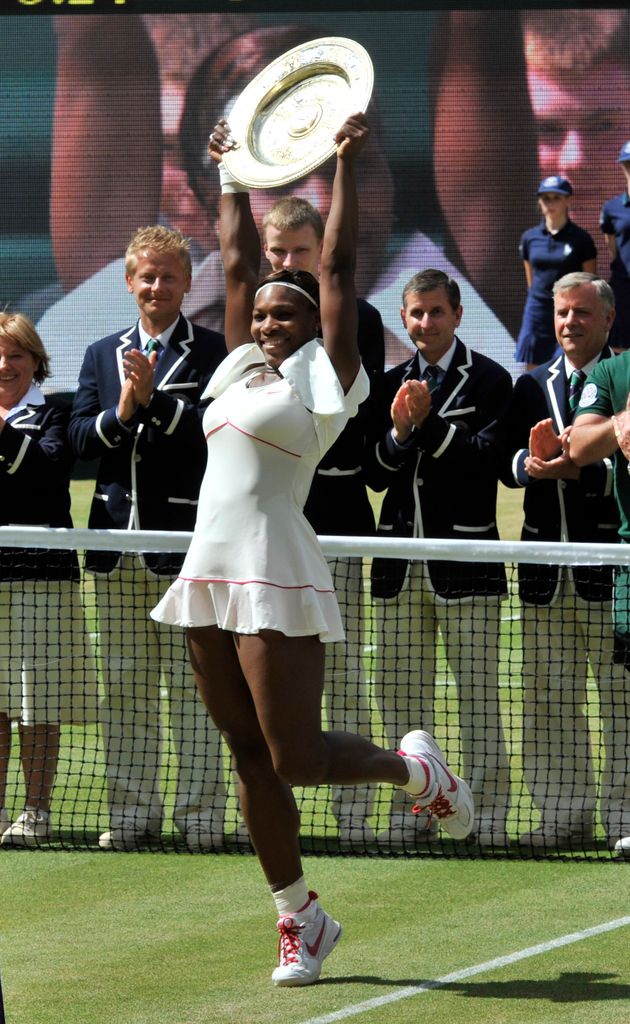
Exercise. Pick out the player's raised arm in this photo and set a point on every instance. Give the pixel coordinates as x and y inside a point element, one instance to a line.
<point>338,304</point>
<point>240,245</point>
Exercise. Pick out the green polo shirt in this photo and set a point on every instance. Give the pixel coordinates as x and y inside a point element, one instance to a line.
<point>605,393</point>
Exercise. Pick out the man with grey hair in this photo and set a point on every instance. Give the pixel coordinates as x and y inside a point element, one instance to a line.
<point>567,612</point>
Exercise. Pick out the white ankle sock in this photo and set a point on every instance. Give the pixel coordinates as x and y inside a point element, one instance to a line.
<point>293,898</point>
<point>421,780</point>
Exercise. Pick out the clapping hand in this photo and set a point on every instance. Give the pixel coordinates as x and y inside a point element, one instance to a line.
<point>138,385</point>
<point>549,457</point>
<point>410,408</point>
<point>544,443</point>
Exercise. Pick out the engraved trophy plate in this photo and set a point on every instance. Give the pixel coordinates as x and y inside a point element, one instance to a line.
<point>283,123</point>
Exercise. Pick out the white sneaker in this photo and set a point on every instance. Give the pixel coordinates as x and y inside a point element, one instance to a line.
<point>30,829</point>
<point>125,840</point>
<point>5,820</point>
<point>444,795</point>
<point>306,939</point>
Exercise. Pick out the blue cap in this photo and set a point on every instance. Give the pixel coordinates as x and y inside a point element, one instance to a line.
<point>554,183</point>
<point>624,153</point>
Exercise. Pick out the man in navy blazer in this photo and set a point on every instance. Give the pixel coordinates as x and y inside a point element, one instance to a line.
<point>436,448</point>
<point>567,612</point>
<point>137,410</point>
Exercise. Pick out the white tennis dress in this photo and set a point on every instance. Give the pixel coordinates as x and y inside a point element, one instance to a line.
<point>254,561</point>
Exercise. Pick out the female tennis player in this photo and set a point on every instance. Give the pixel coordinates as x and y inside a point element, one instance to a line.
<point>255,593</point>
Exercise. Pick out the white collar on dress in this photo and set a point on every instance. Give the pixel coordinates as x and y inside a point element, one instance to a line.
<point>309,371</point>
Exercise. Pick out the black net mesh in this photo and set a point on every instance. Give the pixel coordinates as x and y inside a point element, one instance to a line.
<point>528,703</point>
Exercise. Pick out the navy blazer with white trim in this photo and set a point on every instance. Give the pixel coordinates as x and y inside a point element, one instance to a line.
<point>443,481</point>
<point>150,469</point>
<point>35,464</point>
<point>573,510</point>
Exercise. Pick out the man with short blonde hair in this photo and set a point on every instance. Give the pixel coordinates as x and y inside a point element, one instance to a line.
<point>160,240</point>
<point>138,411</point>
<point>291,213</point>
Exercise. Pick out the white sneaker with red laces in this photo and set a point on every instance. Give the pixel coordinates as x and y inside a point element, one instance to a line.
<point>435,787</point>
<point>306,939</point>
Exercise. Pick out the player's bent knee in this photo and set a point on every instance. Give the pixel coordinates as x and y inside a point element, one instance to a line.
<point>300,767</point>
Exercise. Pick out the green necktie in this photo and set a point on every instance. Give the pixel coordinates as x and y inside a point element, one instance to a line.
<point>576,383</point>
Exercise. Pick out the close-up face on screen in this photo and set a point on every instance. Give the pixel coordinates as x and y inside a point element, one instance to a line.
<point>314,511</point>
<point>107,119</point>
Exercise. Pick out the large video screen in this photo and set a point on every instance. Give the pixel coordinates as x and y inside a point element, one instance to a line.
<point>105,120</point>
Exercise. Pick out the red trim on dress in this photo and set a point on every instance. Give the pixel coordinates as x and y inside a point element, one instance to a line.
<point>228,423</point>
<point>262,583</point>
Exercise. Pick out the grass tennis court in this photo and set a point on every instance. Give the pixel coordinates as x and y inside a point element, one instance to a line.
<point>151,939</point>
<point>93,938</point>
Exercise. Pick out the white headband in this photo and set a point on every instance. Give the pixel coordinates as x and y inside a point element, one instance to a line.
<point>287,284</point>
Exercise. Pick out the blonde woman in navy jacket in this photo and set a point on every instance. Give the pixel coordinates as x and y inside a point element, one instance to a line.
<point>46,673</point>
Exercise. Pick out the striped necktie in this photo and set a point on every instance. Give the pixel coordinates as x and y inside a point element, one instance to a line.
<point>576,383</point>
<point>432,376</point>
<point>153,346</point>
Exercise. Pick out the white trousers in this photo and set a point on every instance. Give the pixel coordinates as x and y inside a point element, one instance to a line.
<point>47,667</point>
<point>346,697</point>
<point>560,643</point>
<point>137,657</point>
<point>407,631</point>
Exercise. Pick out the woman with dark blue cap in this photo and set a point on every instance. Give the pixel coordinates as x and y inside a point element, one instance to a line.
<point>550,250</point>
<point>615,223</point>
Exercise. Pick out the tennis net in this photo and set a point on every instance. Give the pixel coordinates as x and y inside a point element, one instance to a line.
<point>502,650</point>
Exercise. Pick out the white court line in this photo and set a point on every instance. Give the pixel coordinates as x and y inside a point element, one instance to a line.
<point>468,972</point>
